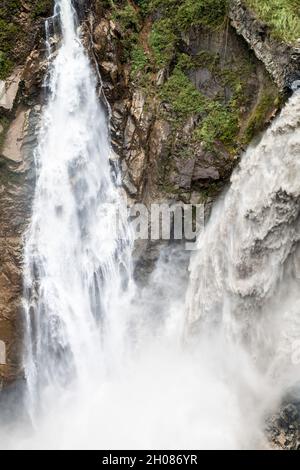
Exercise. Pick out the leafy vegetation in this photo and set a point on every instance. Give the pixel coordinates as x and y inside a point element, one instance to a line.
<point>139,60</point>
<point>8,33</point>
<point>12,33</point>
<point>177,16</point>
<point>174,17</point>
<point>42,8</point>
<point>163,41</point>
<point>209,13</point>
<point>266,104</point>
<point>127,17</point>
<point>220,124</point>
<point>152,46</point>
<point>217,122</point>
<point>220,119</point>
<point>5,65</point>
<point>187,13</point>
<point>283,17</point>
<point>182,95</point>
<point>129,20</point>
<point>4,123</point>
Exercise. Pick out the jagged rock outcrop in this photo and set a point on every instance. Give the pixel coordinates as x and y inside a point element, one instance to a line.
<point>160,156</point>
<point>16,191</point>
<point>9,89</point>
<point>281,60</point>
<point>283,428</point>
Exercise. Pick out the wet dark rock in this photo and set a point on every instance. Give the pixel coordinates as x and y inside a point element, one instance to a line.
<point>185,172</point>
<point>283,427</point>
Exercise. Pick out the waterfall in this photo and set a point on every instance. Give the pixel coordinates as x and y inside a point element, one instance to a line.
<point>194,359</point>
<point>245,277</point>
<point>74,268</point>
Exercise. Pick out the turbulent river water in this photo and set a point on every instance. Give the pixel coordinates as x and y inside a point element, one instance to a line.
<point>192,360</point>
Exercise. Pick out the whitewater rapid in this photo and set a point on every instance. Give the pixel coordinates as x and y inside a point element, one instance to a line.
<point>194,359</point>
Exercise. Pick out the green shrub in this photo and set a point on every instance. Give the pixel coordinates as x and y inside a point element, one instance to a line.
<point>139,60</point>
<point>185,62</point>
<point>184,98</point>
<point>11,33</point>
<point>209,13</point>
<point>283,17</point>
<point>129,21</point>
<point>8,33</point>
<point>257,120</point>
<point>221,124</point>
<point>162,41</point>
<point>6,66</point>
<point>187,13</point>
<point>42,8</point>
<point>127,17</point>
<point>9,8</point>
<point>165,6</point>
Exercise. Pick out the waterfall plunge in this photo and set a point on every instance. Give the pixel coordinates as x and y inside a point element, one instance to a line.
<point>74,268</point>
<point>106,365</point>
<point>245,277</point>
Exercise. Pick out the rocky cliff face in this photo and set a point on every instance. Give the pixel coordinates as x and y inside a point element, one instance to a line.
<point>178,121</point>
<point>20,103</point>
<point>16,189</point>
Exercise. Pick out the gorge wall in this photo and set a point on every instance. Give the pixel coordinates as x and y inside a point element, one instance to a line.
<point>187,90</point>
<point>185,100</point>
<point>21,74</point>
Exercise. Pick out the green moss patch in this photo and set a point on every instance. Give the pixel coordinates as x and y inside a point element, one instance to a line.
<point>139,60</point>
<point>221,124</point>
<point>282,16</point>
<point>163,41</point>
<point>152,37</point>
<point>4,122</point>
<point>13,33</point>
<point>182,95</point>
<point>42,8</point>
<point>187,13</point>
<point>269,101</point>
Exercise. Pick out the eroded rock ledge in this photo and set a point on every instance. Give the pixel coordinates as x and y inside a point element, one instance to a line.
<point>281,60</point>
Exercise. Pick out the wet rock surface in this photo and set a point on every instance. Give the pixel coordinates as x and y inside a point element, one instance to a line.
<point>283,428</point>
<point>20,112</point>
<point>16,192</point>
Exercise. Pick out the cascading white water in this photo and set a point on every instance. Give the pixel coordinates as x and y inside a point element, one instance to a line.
<point>106,365</point>
<point>245,278</point>
<point>74,266</point>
